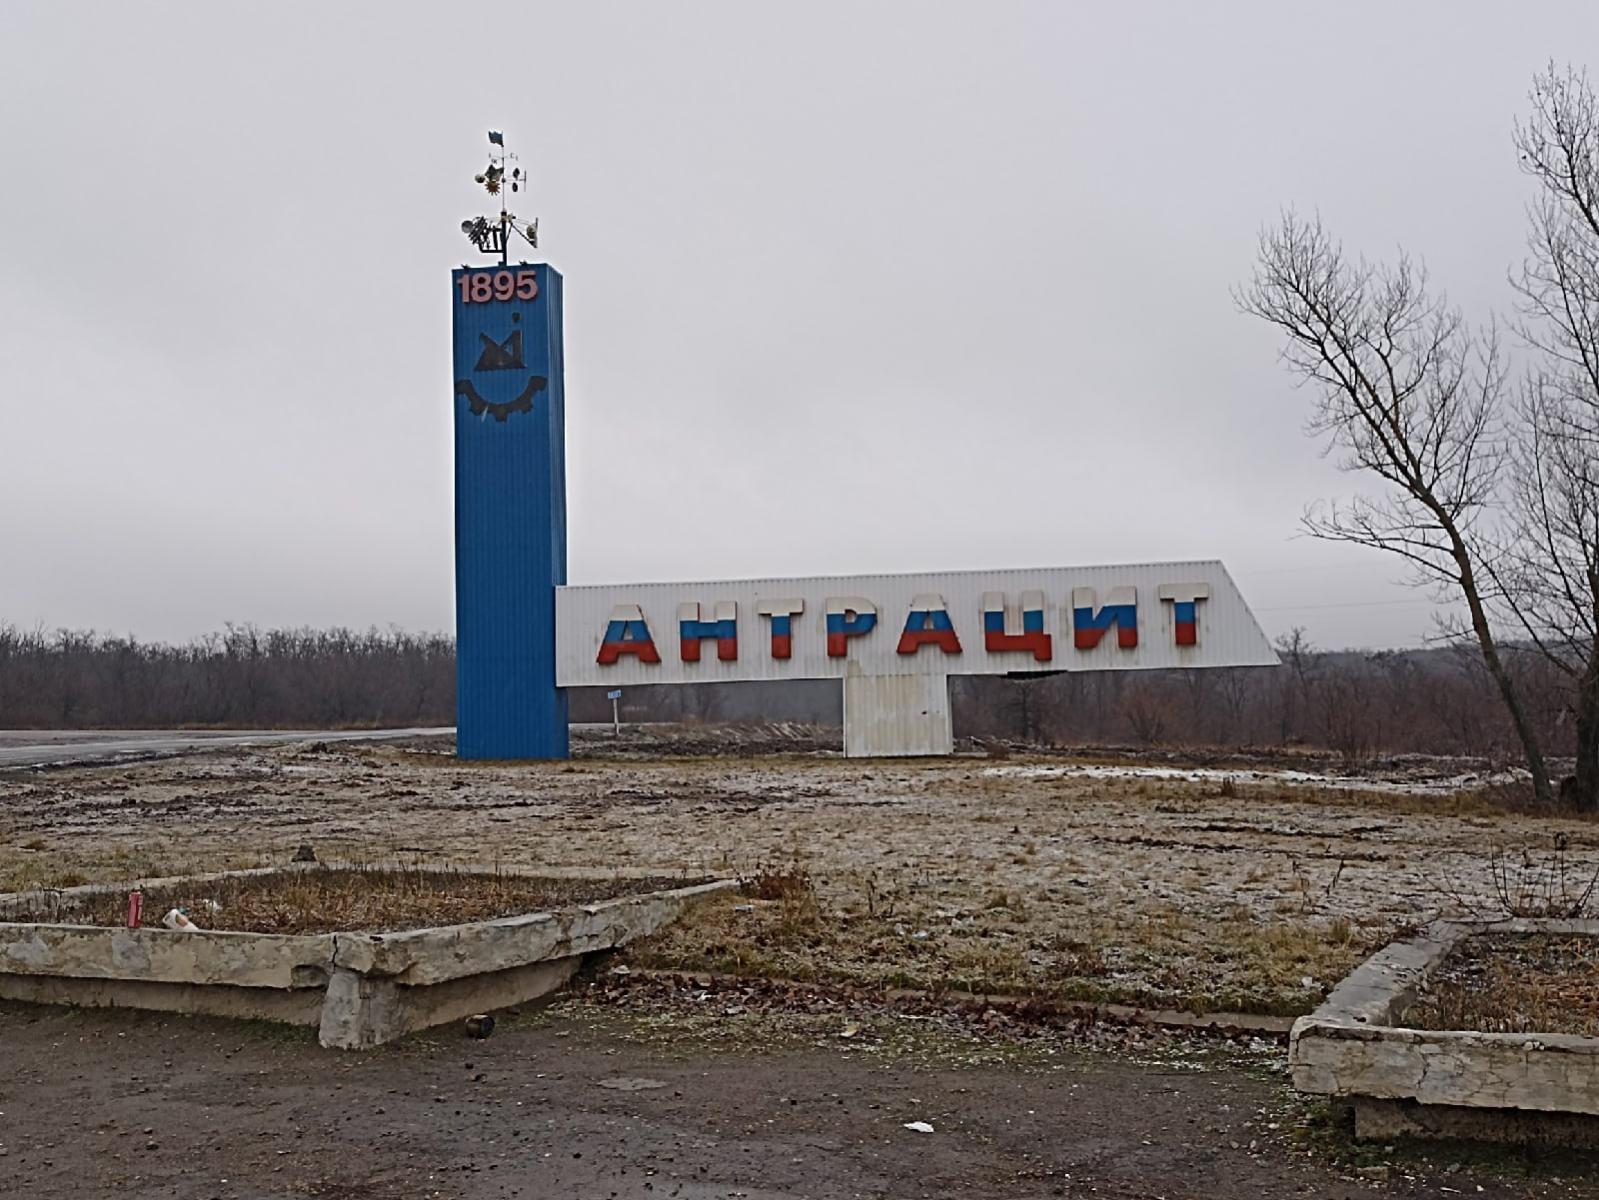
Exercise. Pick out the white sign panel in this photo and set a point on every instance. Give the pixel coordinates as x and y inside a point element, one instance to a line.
<point>1183,614</point>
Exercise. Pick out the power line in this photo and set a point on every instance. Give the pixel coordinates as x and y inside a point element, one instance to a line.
<point>1297,570</point>
<point>1347,604</point>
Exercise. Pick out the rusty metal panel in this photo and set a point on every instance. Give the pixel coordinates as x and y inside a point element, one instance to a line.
<point>734,625</point>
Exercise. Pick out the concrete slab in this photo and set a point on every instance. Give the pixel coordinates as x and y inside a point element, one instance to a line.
<point>360,989</point>
<point>1353,1047</point>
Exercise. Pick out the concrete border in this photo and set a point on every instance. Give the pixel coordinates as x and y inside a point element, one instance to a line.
<point>1445,1082</point>
<point>360,989</point>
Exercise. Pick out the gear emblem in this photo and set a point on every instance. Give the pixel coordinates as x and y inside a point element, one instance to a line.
<point>523,403</point>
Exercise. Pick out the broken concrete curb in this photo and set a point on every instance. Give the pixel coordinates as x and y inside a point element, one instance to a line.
<point>360,989</point>
<point>1417,1081</point>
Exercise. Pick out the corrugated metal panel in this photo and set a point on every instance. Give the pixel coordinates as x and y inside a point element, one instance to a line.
<point>510,521</point>
<point>896,715</point>
<point>1227,633</point>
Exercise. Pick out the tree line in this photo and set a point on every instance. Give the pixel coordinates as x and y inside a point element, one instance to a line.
<point>1354,704</point>
<point>1358,705</point>
<point>243,677</point>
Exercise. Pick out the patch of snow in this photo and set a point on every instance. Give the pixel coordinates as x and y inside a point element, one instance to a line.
<point>1437,786</point>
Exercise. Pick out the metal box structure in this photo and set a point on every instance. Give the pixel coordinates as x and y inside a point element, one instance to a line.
<point>510,511</point>
<point>894,640</point>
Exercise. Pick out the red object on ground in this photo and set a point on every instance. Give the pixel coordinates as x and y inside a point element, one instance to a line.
<point>135,909</point>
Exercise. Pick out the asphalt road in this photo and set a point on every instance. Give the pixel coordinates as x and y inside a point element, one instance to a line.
<point>48,748</point>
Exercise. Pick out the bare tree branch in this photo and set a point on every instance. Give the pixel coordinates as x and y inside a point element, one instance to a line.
<point>1411,396</point>
<point>1546,562</point>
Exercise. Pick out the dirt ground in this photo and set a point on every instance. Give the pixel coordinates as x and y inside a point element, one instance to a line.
<point>1232,887</point>
<point>1237,885</point>
<point>601,1099</point>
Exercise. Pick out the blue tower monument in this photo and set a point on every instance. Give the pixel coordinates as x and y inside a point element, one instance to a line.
<point>510,490</point>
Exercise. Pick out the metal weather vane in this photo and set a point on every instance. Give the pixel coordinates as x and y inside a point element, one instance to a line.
<point>493,235</point>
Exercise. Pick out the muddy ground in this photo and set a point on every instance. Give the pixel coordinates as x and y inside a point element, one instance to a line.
<point>606,1097</point>
<point>1251,890</point>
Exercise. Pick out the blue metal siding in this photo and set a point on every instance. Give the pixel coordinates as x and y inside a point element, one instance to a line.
<point>510,523</point>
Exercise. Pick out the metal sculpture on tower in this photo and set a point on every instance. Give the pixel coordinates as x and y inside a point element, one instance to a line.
<point>510,485</point>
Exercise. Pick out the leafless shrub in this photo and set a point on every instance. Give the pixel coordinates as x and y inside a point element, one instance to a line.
<point>1542,886</point>
<point>777,881</point>
<point>791,887</point>
<point>1347,720</point>
<point>1146,718</point>
<point>1524,882</point>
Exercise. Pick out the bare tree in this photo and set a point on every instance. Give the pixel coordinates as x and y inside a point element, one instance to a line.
<point>1300,659</point>
<point>1412,397</point>
<point>1234,685</point>
<point>1348,723</point>
<point>1546,569</point>
<point>1146,715</point>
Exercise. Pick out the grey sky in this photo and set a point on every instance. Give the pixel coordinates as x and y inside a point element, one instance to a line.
<point>849,288</point>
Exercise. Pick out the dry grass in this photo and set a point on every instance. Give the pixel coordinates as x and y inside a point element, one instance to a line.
<point>931,874</point>
<point>1501,984</point>
<point>1171,960</point>
<point>343,899</point>
<point>779,881</point>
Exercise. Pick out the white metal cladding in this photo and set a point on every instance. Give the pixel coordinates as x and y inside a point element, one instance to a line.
<point>1227,633</point>
<point>894,715</point>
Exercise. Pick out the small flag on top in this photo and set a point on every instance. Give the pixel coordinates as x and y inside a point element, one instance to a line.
<point>496,138</point>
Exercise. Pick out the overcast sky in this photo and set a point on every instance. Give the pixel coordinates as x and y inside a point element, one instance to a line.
<point>849,288</point>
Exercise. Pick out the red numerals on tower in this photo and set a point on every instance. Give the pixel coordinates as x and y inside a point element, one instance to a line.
<point>479,287</point>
